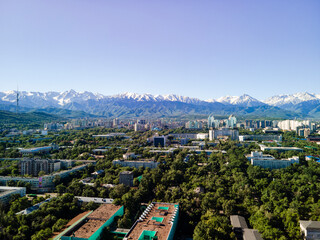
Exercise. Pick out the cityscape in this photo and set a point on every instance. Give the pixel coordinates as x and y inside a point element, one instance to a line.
<point>148,178</point>
<point>160,120</point>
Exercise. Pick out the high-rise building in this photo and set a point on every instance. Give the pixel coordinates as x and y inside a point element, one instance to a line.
<point>193,125</point>
<point>232,134</point>
<point>231,122</point>
<point>116,122</point>
<point>34,166</point>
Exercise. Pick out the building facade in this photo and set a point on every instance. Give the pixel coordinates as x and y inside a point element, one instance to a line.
<point>268,161</point>
<point>7,192</point>
<point>232,134</point>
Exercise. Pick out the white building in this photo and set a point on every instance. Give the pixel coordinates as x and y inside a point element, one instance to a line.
<point>268,161</point>
<point>279,149</point>
<point>292,125</point>
<point>202,136</point>
<point>7,192</point>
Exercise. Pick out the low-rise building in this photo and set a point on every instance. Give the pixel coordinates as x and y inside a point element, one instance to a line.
<point>129,155</point>
<point>241,230</point>
<point>93,224</point>
<point>34,207</point>
<point>158,221</point>
<point>279,149</point>
<point>7,192</point>
<point>268,161</point>
<point>202,136</point>
<point>44,183</point>
<point>136,164</point>
<point>251,234</point>
<point>238,224</point>
<point>310,229</point>
<point>126,178</point>
<point>110,135</point>
<point>277,138</point>
<point>159,141</point>
<point>39,150</point>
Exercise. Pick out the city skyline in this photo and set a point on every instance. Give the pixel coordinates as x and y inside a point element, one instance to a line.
<point>202,50</point>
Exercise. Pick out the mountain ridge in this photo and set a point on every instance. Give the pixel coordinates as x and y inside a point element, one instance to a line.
<point>134,104</point>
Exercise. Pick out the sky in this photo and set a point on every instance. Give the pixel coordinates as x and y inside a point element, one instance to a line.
<point>196,48</point>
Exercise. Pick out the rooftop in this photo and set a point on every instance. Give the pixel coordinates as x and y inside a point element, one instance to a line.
<point>251,234</point>
<point>310,224</point>
<point>4,190</point>
<point>95,220</point>
<point>157,219</point>
<point>238,221</point>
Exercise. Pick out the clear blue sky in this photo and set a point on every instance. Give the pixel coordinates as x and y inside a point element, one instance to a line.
<point>199,48</point>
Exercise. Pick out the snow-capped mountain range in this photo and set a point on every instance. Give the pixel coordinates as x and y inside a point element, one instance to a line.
<point>292,99</point>
<point>96,103</point>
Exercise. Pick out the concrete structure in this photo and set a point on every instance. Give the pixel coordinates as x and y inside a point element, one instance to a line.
<point>277,138</point>
<point>39,150</point>
<point>313,139</point>
<point>279,149</point>
<point>251,234</point>
<point>268,161</point>
<point>238,224</point>
<point>254,124</point>
<point>34,166</point>
<point>92,225</point>
<point>241,230</point>
<point>310,229</point>
<point>136,164</point>
<point>7,192</point>
<point>231,122</point>
<point>129,155</point>
<point>183,135</point>
<point>292,125</point>
<point>212,122</point>
<point>303,132</point>
<point>202,136</point>
<point>44,183</point>
<point>193,125</point>
<point>126,178</point>
<point>93,199</point>
<point>232,134</point>
<point>163,151</point>
<point>139,127</point>
<point>159,141</point>
<point>158,221</point>
<point>110,135</point>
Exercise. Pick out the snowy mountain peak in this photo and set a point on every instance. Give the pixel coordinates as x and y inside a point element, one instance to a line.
<point>244,99</point>
<point>291,99</point>
<point>156,98</point>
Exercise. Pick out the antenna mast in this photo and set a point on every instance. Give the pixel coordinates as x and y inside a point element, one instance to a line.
<point>17,108</point>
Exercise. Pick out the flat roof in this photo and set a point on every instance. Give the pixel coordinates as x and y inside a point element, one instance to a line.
<point>95,220</point>
<point>308,224</point>
<point>157,220</point>
<point>251,234</point>
<point>4,190</point>
<point>238,221</point>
